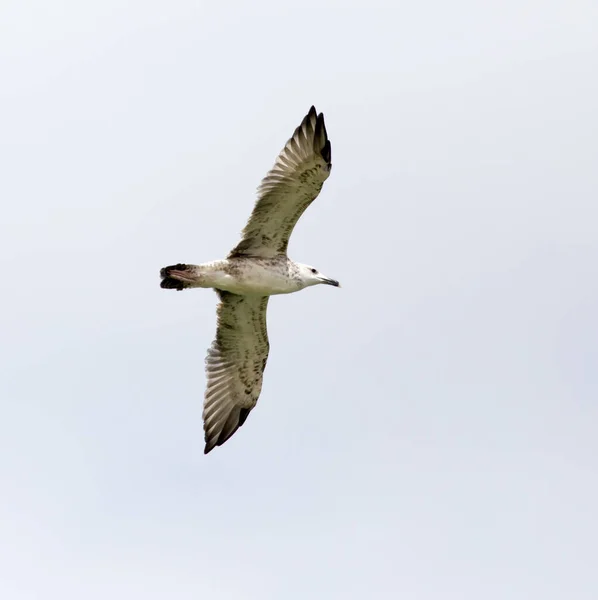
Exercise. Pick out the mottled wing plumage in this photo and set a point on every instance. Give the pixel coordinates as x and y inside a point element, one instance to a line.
<point>234,365</point>
<point>292,184</point>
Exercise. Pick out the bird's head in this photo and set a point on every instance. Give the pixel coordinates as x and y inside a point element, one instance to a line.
<point>311,276</point>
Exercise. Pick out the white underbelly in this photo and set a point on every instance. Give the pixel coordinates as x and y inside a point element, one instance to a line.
<point>259,281</point>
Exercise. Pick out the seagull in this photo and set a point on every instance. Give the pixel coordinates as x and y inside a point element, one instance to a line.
<point>255,269</point>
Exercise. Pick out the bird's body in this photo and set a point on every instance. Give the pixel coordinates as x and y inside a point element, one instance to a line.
<point>257,268</point>
<point>245,276</point>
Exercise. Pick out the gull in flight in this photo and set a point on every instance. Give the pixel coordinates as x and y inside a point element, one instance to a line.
<point>257,268</point>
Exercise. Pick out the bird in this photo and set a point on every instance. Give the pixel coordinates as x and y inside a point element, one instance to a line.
<point>255,269</point>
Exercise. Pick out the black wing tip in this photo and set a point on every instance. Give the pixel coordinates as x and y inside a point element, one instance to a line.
<point>321,141</point>
<point>229,429</point>
<point>320,135</point>
<point>327,153</point>
<point>312,113</point>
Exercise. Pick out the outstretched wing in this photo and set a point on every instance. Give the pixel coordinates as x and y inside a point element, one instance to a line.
<point>234,365</point>
<point>292,184</point>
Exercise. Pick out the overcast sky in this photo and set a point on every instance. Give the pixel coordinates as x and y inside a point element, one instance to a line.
<point>426,432</point>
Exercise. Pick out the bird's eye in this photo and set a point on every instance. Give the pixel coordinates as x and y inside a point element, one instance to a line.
<point>314,271</point>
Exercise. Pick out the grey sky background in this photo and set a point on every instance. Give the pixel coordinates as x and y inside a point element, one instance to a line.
<point>426,432</point>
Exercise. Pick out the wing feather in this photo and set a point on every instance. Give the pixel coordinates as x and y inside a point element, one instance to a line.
<point>292,184</point>
<point>234,365</point>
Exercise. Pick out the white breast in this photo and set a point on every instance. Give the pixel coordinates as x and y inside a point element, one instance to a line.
<point>256,279</point>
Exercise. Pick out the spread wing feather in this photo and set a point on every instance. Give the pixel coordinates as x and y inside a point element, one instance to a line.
<point>234,365</point>
<point>292,184</point>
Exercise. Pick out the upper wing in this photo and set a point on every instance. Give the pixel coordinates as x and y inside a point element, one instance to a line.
<point>292,184</point>
<point>234,365</point>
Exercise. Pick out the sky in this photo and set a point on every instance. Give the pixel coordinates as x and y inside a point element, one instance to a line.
<point>428,431</point>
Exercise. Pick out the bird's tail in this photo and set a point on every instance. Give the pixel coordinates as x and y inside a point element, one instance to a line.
<point>180,277</point>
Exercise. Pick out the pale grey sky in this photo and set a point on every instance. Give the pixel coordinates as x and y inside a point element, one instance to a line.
<point>426,432</point>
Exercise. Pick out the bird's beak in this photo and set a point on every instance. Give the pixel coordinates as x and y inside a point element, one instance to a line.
<point>333,282</point>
